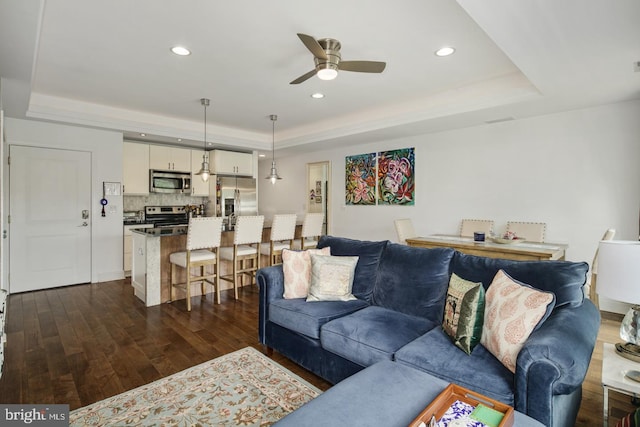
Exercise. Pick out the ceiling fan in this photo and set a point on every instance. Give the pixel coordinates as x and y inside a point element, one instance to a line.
<point>326,55</point>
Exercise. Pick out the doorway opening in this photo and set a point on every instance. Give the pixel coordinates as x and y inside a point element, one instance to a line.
<point>318,185</point>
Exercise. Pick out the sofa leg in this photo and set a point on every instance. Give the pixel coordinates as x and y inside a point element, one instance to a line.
<point>267,350</point>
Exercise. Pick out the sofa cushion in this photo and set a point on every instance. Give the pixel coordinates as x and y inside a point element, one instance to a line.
<point>434,353</point>
<point>464,313</point>
<point>413,280</point>
<point>565,279</point>
<point>332,278</point>
<point>307,317</point>
<point>512,312</point>
<point>369,254</point>
<point>372,334</point>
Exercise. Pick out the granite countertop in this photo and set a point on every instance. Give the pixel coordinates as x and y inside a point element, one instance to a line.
<point>181,229</point>
<point>162,231</point>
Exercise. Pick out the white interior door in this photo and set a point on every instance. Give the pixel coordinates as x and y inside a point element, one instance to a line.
<point>50,227</point>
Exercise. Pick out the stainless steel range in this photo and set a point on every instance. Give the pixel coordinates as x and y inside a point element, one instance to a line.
<point>166,216</point>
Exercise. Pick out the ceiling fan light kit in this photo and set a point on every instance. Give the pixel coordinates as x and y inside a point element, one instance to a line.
<point>329,72</point>
<point>328,61</point>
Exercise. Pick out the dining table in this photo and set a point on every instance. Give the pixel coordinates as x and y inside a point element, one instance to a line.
<point>515,250</point>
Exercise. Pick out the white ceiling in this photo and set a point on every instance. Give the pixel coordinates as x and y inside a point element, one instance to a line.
<point>107,64</point>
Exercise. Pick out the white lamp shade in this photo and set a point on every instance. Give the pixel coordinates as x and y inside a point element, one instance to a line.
<point>619,270</point>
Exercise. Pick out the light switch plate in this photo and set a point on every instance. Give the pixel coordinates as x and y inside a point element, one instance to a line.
<point>111,188</point>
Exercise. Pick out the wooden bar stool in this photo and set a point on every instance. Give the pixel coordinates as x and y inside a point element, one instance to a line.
<point>283,229</point>
<point>246,247</point>
<point>311,231</point>
<point>203,241</point>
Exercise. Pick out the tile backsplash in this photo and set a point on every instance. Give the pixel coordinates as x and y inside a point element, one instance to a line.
<point>137,203</point>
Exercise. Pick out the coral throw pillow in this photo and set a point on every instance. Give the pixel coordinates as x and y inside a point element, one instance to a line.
<point>513,310</point>
<point>296,266</point>
<point>630,420</point>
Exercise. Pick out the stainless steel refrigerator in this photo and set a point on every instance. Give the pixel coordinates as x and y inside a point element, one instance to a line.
<point>236,195</point>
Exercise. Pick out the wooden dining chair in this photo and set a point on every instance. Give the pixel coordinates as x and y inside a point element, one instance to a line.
<point>203,241</point>
<point>470,226</point>
<point>247,236</point>
<point>283,229</point>
<point>404,229</point>
<point>530,231</point>
<point>311,231</point>
<point>593,295</point>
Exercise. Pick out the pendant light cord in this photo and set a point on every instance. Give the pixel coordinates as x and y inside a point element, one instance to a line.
<point>273,137</point>
<point>205,102</point>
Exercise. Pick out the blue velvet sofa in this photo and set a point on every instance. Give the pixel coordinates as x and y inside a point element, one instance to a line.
<point>398,313</point>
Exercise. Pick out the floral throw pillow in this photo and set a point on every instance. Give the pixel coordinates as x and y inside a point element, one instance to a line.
<point>332,278</point>
<point>464,313</point>
<point>513,310</point>
<point>296,266</point>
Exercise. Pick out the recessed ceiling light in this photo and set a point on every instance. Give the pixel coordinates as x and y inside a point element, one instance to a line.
<point>445,51</point>
<point>143,134</point>
<point>179,139</point>
<point>317,95</point>
<point>262,155</point>
<point>179,50</point>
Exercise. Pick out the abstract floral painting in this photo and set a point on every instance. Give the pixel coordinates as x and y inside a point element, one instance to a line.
<point>360,177</point>
<point>396,183</point>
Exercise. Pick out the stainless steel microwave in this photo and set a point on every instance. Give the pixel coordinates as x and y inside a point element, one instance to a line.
<point>169,182</point>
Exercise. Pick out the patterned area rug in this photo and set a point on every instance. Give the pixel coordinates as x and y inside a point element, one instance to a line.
<point>243,388</point>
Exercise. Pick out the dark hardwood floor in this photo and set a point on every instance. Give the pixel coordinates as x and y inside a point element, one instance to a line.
<point>81,344</point>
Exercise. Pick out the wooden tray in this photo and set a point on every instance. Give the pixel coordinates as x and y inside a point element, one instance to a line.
<point>454,392</point>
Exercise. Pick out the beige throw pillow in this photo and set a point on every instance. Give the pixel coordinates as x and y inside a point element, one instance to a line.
<point>512,312</point>
<point>296,266</point>
<point>332,278</point>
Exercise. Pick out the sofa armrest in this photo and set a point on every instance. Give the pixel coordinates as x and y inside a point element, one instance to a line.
<point>555,359</point>
<point>270,280</point>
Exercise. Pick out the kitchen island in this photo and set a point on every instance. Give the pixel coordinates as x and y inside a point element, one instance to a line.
<point>150,267</point>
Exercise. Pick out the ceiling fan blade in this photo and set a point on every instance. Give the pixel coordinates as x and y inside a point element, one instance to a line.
<point>362,66</point>
<point>313,45</point>
<point>304,77</point>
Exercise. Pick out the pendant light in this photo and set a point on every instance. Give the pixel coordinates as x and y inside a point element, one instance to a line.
<point>273,176</point>
<point>204,171</point>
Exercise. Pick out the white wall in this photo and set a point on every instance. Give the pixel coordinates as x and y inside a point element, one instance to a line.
<point>106,158</point>
<point>578,171</point>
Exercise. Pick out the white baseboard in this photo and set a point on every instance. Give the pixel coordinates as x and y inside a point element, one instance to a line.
<point>613,306</point>
<point>107,277</point>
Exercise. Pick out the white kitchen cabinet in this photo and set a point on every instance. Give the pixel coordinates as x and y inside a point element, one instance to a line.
<point>127,248</point>
<point>135,168</point>
<point>231,163</point>
<point>169,158</point>
<point>198,187</point>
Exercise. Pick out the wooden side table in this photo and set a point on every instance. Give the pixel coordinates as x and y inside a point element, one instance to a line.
<point>614,368</point>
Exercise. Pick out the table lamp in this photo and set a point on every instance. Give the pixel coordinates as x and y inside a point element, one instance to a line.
<point>619,279</point>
